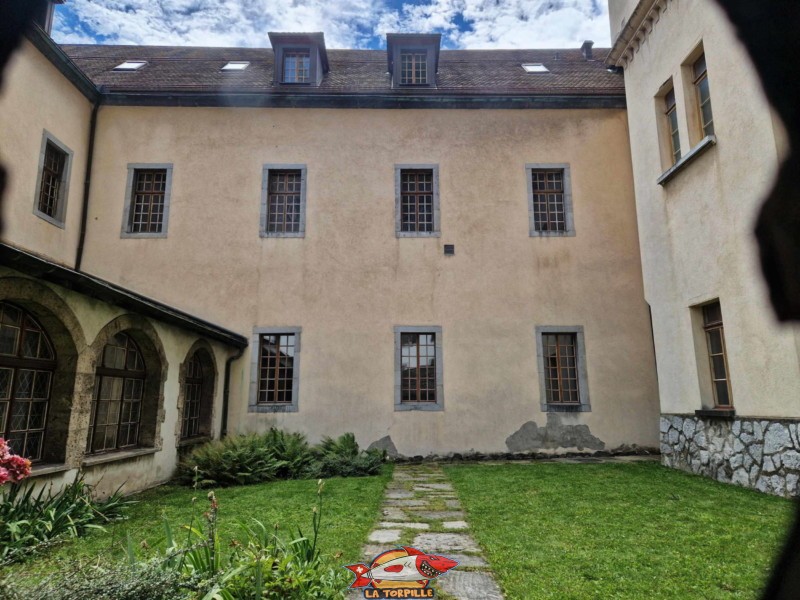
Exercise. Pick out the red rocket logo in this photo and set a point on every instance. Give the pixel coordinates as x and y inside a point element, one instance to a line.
<point>401,568</point>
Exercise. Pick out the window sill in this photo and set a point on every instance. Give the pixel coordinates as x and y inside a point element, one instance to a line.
<point>706,143</point>
<point>48,469</point>
<point>566,408</point>
<point>426,406</point>
<point>52,220</point>
<point>108,457</point>
<point>194,441</point>
<point>568,233</point>
<point>716,413</point>
<point>283,234</point>
<point>418,234</point>
<point>272,408</point>
<point>130,235</point>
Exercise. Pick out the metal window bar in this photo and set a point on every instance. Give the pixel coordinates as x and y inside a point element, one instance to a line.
<point>548,200</point>
<point>418,367</point>
<point>416,200</point>
<point>296,66</point>
<point>147,205</point>
<point>413,68</point>
<point>703,95</point>
<point>284,201</point>
<point>193,397</point>
<point>276,368</point>
<point>561,368</point>
<point>717,355</point>
<point>52,174</point>
<point>27,367</point>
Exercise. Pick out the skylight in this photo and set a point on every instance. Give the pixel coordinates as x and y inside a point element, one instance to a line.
<point>236,65</point>
<point>131,65</point>
<point>535,68</point>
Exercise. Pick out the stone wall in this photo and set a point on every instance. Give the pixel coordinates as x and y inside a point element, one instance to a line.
<point>760,453</point>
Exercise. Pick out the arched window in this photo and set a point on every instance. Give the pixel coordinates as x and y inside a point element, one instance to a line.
<point>193,398</point>
<point>118,390</point>
<point>27,365</point>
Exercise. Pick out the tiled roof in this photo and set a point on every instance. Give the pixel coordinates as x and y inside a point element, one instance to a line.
<point>461,72</point>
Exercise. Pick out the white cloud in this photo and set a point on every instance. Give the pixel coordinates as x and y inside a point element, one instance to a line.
<point>346,23</point>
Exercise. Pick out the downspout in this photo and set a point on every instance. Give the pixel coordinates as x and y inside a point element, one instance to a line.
<point>87,185</point>
<point>226,390</point>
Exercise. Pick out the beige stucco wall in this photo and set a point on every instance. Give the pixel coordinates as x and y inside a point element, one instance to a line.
<point>350,280</point>
<point>89,317</point>
<point>37,97</point>
<point>618,12</point>
<point>696,230</point>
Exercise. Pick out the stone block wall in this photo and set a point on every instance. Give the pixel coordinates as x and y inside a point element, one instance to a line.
<point>759,453</point>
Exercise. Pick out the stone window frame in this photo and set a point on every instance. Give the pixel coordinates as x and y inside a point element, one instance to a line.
<point>399,405</point>
<point>398,202</point>
<point>583,373</point>
<point>126,232</point>
<point>569,216</point>
<point>265,170</point>
<point>63,192</point>
<point>253,406</point>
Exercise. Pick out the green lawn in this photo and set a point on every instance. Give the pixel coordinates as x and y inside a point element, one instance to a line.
<point>637,530</point>
<point>350,509</point>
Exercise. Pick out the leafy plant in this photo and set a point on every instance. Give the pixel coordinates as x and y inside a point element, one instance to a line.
<point>234,460</point>
<point>31,520</point>
<point>292,449</point>
<point>345,446</point>
<point>341,457</point>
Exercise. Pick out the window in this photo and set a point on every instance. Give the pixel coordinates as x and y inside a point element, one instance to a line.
<point>417,200</point>
<point>418,371</point>
<point>563,380</point>
<point>147,200</point>
<point>27,366</point>
<point>283,201</point>
<point>51,186</point>
<point>275,369</point>
<point>535,68</point>
<point>550,200</point>
<point>672,125</point>
<point>118,393</point>
<point>236,65</point>
<point>296,66</point>
<point>703,95</point>
<point>413,67</point>
<point>130,65</point>
<point>717,356</point>
<point>193,398</point>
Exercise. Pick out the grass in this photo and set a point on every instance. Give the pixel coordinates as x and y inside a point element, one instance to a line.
<point>350,509</point>
<point>619,530</point>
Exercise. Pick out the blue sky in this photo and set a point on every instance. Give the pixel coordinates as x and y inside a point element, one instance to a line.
<point>346,23</point>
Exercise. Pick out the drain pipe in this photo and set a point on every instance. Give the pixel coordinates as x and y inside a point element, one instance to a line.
<point>87,185</point>
<point>226,391</point>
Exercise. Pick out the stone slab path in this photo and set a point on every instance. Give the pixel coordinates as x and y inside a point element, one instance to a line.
<point>421,509</point>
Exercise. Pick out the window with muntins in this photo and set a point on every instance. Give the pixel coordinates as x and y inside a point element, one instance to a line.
<point>27,366</point>
<point>703,95</point>
<point>671,115</point>
<point>276,364</point>
<point>416,200</point>
<point>561,368</point>
<point>717,355</point>
<point>549,212</point>
<point>193,398</point>
<point>148,201</point>
<point>118,392</point>
<point>418,367</point>
<point>284,201</point>
<point>55,161</point>
<point>297,66</point>
<point>413,67</point>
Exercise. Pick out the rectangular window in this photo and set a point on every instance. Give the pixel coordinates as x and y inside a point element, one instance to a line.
<point>296,66</point>
<point>276,368</point>
<point>703,95</point>
<point>550,200</point>
<point>416,188</point>
<point>563,378</point>
<point>671,115</point>
<point>413,67</point>
<point>418,368</point>
<point>283,201</point>
<point>717,356</point>
<point>147,200</point>
<point>52,176</point>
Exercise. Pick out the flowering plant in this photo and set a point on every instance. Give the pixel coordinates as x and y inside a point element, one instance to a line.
<point>13,468</point>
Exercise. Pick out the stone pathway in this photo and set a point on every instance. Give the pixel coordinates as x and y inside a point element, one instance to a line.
<point>421,509</point>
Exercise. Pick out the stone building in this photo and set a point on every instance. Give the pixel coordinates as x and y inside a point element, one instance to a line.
<point>447,238</point>
<point>705,148</point>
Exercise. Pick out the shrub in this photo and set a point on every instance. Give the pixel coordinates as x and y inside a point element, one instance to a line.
<point>290,448</point>
<point>30,521</point>
<point>234,460</point>
<point>341,457</point>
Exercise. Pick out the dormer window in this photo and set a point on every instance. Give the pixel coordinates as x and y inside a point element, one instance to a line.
<point>296,65</point>
<point>413,58</point>
<point>300,58</point>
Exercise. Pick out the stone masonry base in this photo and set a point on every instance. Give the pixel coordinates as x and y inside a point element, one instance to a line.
<point>759,453</point>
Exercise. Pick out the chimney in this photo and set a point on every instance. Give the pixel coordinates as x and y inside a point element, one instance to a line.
<point>586,49</point>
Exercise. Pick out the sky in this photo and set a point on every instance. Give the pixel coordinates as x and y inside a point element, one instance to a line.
<point>346,23</point>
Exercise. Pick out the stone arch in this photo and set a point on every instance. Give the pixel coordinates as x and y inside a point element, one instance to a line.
<point>208,361</point>
<point>156,365</point>
<point>72,380</point>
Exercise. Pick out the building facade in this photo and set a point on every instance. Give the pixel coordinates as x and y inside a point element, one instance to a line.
<point>705,149</point>
<point>353,244</point>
